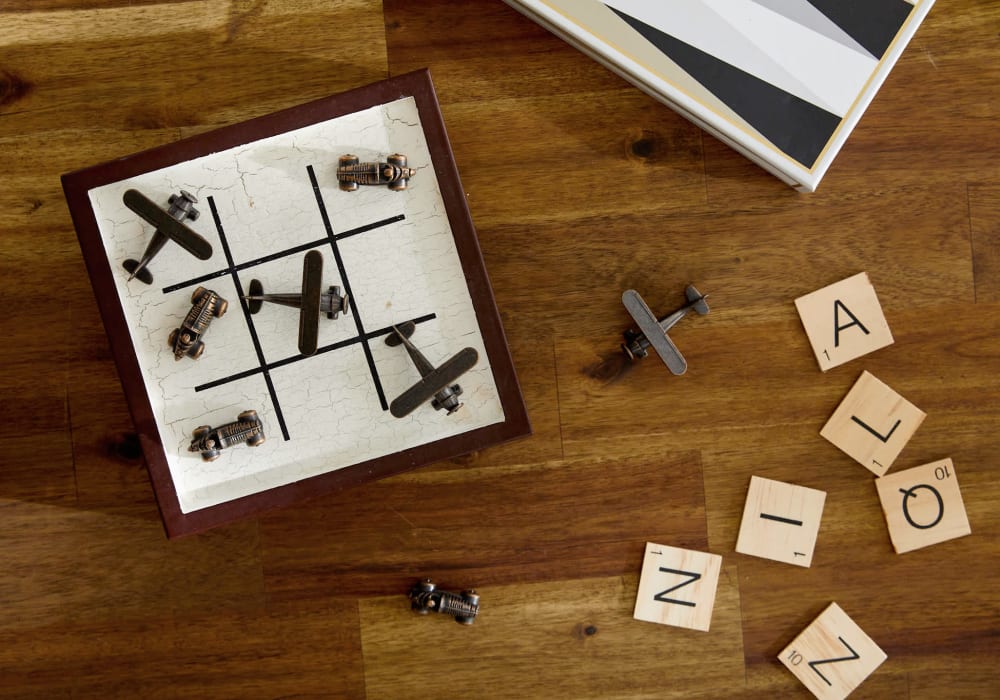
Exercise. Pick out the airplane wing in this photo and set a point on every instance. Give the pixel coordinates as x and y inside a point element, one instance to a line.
<point>696,299</point>
<point>650,328</point>
<point>173,229</point>
<point>424,390</point>
<point>312,288</point>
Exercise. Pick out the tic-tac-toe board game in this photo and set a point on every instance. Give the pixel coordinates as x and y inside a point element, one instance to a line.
<point>340,224</point>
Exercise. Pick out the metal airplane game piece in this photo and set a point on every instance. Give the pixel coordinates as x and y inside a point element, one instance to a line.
<point>653,331</point>
<point>169,225</point>
<point>210,441</point>
<point>351,172</point>
<point>425,599</point>
<point>435,384</point>
<point>186,340</point>
<point>310,302</point>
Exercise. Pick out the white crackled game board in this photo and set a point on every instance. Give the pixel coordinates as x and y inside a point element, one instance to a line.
<point>400,256</point>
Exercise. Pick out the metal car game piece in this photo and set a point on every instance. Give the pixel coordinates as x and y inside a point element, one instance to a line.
<point>351,172</point>
<point>186,339</point>
<point>425,598</point>
<point>211,441</point>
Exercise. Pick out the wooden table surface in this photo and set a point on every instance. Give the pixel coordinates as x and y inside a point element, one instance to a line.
<point>580,186</point>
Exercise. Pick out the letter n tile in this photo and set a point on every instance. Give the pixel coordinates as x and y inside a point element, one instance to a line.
<point>677,587</point>
<point>833,655</point>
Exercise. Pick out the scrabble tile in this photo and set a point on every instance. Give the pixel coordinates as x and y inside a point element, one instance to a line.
<point>844,321</point>
<point>677,587</point>
<point>832,656</point>
<point>923,506</point>
<point>780,521</point>
<point>872,424</point>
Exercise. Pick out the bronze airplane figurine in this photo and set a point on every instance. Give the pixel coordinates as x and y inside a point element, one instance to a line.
<point>653,331</point>
<point>435,382</point>
<point>310,302</point>
<point>169,225</point>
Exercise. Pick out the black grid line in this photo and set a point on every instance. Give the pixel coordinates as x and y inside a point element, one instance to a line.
<point>371,335</point>
<point>232,269</point>
<point>283,254</point>
<point>347,287</point>
<point>249,320</point>
<point>779,519</point>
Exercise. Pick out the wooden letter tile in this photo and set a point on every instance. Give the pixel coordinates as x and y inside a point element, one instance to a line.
<point>872,424</point>
<point>677,587</point>
<point>832,656</point>
<point>844,321</point>
<point>923,506</point>
<point>780,521</point>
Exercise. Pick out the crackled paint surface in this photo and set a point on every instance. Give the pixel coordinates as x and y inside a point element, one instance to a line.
<point>264,202</point>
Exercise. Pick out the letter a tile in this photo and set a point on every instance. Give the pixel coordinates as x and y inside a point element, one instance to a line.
<point>780,521</point>
<point>832,656</point>
<point>873,424</point>
<point>677,587</point>
<point>844,321</point>
<point>923,506</point>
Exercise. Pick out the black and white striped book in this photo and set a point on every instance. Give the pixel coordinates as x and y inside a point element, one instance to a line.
<point>782,81</point>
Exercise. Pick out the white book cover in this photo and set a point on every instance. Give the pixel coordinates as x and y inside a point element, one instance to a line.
<point>782,81</point>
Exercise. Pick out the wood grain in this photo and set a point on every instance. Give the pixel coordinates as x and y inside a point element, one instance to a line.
<point>580,186</point>
<point>572,638</point>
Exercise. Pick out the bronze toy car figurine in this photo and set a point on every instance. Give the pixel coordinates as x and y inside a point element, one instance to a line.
<point>351,172</point>
<point>211,441</point>
<point>425,598</point>
<point>186,340</point>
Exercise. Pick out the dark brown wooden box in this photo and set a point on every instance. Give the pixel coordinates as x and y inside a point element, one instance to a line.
<point>417,85</point>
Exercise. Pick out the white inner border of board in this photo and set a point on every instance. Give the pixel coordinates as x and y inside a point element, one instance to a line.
<point>263,200</point>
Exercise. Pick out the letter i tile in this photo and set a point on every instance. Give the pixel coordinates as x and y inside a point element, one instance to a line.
<point>677,587</point>
<point>832,656</point>
<point>780,521</point>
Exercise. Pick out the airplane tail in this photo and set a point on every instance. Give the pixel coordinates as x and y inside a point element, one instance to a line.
<point>697,299</point>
